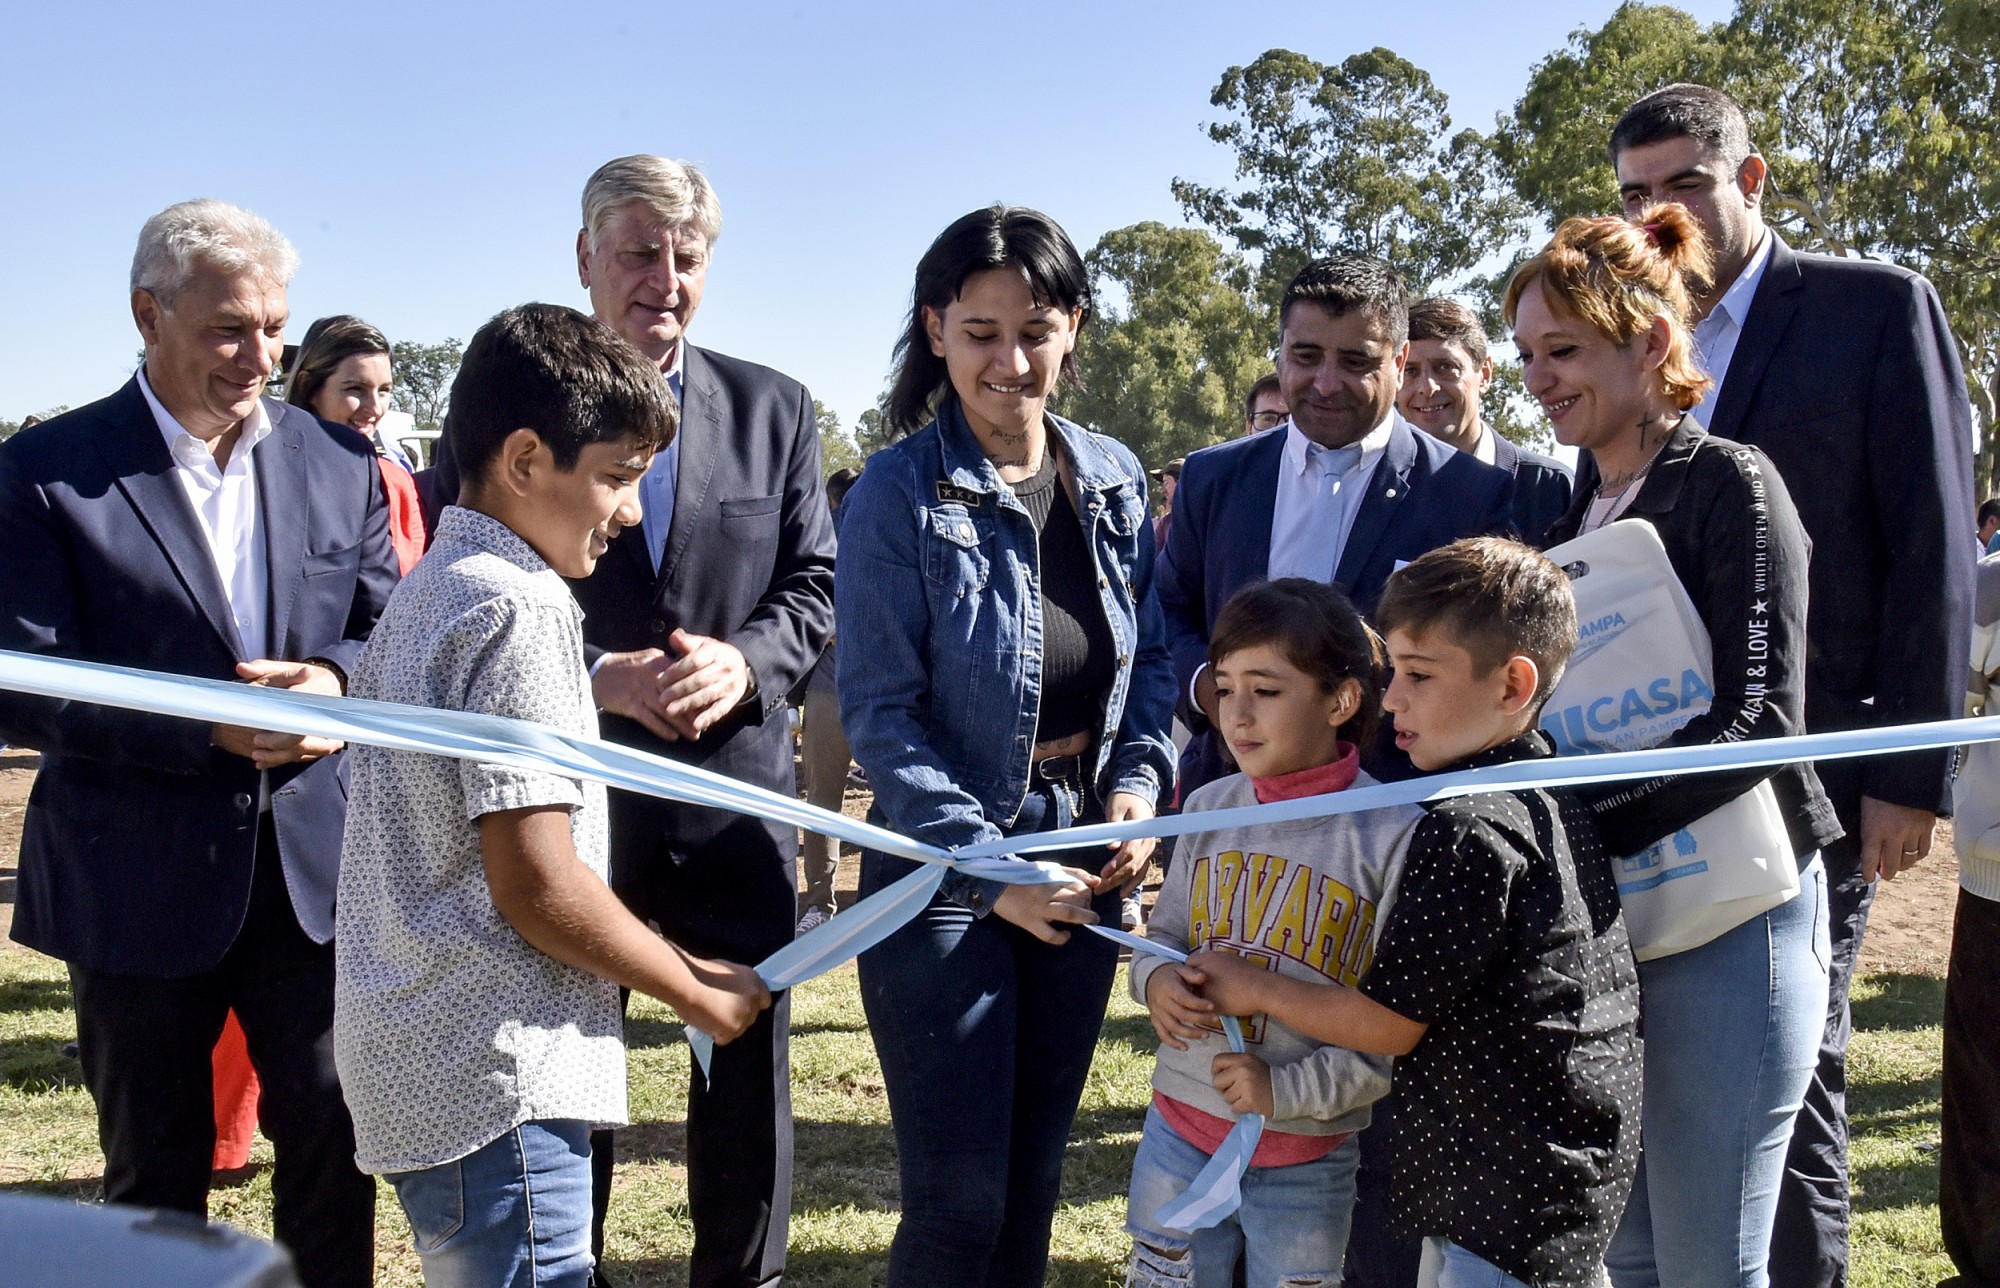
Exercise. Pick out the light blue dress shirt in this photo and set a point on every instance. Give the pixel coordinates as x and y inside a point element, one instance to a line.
<point>656,491</point>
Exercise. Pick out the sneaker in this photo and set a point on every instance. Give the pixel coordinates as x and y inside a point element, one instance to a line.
<point>1131,914</point>
<point>813,920</point>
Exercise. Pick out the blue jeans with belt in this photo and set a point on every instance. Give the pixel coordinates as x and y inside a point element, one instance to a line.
<point>985,1035</point>
<point>1732,1034</point>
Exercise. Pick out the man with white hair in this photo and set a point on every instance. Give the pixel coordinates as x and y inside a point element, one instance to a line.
<point>188,524</point>
<point>707,616</point>
<point>697,626</point>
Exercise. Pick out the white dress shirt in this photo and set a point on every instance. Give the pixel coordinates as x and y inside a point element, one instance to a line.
<point>1484,451</point>
<point>1716,335</point>
<point>224,498</point>
<point>656,490</point>
<point>1319,492</point>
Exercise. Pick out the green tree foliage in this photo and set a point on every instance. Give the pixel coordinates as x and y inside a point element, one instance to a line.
<point>1354,158</point>
<point>837,448</point>
<point>1877,117</point>
<point>423,375</point>
<point>1553,147</point>
<point>871,432</point>
<point>1181,339</point>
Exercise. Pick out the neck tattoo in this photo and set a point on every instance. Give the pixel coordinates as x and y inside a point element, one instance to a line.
<point>1654,430</point>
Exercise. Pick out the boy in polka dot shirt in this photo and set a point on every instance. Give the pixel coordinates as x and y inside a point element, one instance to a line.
<point>1503,981</point>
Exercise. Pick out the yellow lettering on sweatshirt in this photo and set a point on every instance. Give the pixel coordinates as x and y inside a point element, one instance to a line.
<point>1287,935</point>
<point>1328,946</point>
<point>1228,875</point>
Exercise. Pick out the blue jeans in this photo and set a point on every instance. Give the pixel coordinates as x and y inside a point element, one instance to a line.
<point>985,1035</point>
<point>1291,1231</point>
<point>1732,1034</point>
<point>514,1213</point>
<point>1446,1265</point>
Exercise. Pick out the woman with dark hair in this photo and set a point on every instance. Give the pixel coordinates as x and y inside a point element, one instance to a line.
<point>1004,670</point>
<point>1732,1025</point>
<point>343,374</point>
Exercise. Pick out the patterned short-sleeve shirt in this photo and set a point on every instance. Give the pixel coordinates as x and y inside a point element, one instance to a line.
<point>1516,1132</point>
<point>449,1028</point>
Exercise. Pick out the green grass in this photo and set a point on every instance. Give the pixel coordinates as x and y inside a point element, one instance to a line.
<point>844,1207</point>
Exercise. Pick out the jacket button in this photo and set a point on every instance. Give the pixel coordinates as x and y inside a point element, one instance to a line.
<point>242,800</point>
<point>658,626</point>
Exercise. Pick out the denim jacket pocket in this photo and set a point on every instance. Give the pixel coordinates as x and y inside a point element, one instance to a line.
<point>953,558</point>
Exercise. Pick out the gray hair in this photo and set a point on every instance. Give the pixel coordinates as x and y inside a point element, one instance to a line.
<point>677,193</point>
<point>215,233</point>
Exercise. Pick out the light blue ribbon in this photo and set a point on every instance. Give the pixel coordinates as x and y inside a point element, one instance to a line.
<point>521,744</point>
<point>1217,1189</point>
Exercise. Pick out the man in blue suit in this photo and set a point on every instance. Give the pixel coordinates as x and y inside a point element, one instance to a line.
<point>1345,492</point>
<point>182,870</point>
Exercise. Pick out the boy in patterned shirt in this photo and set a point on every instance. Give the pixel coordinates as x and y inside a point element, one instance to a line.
<point>478,949</point>
<point>1502,981</point>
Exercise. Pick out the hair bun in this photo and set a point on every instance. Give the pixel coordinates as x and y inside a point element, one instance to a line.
<point>1678,237</point>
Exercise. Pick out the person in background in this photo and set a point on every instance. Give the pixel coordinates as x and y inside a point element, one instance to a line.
<point>30,420</point>
<point>1169,476</point>
<point>1969,1145</point>
<point>700,622</point>
<point>1005,671</point>
<point>342,373</point>
<point>1264,405</point>
<point>1732,1025</point>
<point>1989,525</point>
<point>182,870</point>
<point>1845,373</point>
<point>823,752</point>
<point>1449,371</point>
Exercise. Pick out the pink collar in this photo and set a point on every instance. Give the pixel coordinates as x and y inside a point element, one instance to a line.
<point>1334,776</point>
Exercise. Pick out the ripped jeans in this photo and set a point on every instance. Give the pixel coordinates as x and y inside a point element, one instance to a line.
<point>1290,1232</point>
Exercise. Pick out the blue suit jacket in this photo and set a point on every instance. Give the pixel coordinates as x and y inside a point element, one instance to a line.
<point>140,836</point>
<point>1542,487</point>
<point>1422,495</point>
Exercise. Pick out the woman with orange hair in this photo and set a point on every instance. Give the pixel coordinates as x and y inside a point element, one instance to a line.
<point>1732,1027</point>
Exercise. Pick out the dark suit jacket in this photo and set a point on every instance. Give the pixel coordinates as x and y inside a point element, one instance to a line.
<point>1542,487</point>
<point>1422,495</point>
<point>1847,377</point>
<point>139,839</point>
<point>749,559</point>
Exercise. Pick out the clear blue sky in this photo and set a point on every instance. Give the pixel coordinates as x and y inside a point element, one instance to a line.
<point>427,158</point>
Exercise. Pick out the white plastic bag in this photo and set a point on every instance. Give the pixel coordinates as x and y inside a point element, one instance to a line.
<point>1642,669</point>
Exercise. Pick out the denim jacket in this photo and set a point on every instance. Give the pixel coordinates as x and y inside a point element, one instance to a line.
<point>938,611</point>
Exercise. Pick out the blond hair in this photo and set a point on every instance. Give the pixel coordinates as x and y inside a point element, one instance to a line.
<point>1619,276</point>
<point>677,193</point>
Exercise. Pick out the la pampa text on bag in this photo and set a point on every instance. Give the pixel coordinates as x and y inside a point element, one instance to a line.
<point>1642,669</point>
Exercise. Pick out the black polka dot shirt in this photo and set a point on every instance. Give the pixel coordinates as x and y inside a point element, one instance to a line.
<point>1516,1129</point>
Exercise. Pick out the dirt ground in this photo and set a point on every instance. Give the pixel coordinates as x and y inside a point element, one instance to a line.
<point>1909,931</point>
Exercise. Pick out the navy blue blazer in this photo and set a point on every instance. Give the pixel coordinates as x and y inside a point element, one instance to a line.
<point>1847,377</point>
<point>139,839</point>
<point>1422,495</point>
<point>1542,487</point>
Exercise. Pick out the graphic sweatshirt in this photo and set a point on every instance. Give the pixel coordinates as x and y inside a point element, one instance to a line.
<point>1301,898</point>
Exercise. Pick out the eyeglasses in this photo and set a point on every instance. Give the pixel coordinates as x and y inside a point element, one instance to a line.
<point>1267,419</point>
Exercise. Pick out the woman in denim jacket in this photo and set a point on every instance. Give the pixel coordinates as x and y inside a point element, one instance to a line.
<point>1003,669</point>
